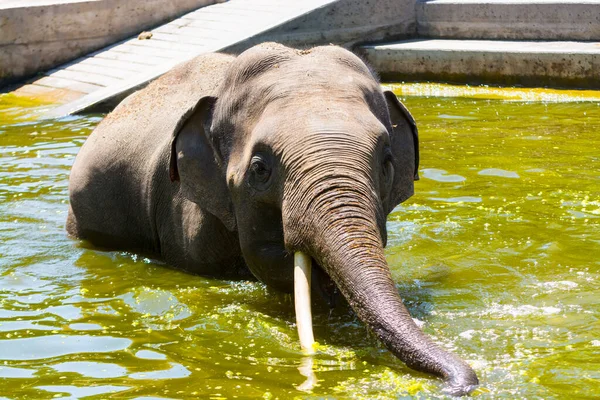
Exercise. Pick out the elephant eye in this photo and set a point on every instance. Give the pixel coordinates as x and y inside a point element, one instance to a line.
<point>260,172</point>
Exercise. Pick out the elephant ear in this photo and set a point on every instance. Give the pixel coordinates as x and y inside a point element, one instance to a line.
<point>404,140</point>
<point>197,165</point>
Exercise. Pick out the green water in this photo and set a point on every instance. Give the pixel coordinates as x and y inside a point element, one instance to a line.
<point>497,253</point>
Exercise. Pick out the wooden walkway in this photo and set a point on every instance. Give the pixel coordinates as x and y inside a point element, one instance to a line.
<point>132,63</point>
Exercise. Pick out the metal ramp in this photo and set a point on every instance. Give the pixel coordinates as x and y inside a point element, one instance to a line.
<point>109,74</point>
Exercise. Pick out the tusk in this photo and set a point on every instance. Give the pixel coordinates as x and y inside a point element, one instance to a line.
<point>302,269</point>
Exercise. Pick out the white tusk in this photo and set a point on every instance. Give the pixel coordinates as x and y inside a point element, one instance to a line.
<point>302,269</point>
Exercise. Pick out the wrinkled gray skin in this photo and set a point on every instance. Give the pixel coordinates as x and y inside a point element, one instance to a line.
<point>228,164</point>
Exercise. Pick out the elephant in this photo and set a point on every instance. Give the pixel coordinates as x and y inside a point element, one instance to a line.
<point>229,166</point>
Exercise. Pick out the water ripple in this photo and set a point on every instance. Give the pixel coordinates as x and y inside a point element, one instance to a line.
<point>41,347</point>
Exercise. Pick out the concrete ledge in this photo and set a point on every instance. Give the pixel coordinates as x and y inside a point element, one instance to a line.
<point>344,22</point>
<point>509,19</point>
<point>554,64</point>
<point>36,35</point>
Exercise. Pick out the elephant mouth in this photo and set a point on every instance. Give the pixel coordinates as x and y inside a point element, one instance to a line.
<point>271,256</point>
<point>324,286</point>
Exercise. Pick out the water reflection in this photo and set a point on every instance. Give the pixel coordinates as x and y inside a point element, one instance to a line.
<point>306,369</point>
<point>499,172</point>
<point>440,175</point>
<point>76,392</point>
<point>41,347</point>
<point>91,369</point>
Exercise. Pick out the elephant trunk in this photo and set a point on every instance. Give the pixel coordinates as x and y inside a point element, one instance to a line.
<point>358,267</point>
<point>344,235</point>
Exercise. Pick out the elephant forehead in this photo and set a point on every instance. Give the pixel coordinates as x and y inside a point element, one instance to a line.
<point>317,79</point>
<point>298,80</point>
<point>273,57</point>
<point>321,118</point>
<point>276,112</point>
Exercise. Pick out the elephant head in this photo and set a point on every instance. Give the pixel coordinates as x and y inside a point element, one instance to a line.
<point>301,151</point>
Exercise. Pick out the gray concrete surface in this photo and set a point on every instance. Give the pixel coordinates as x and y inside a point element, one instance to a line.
<point>36,35</point>
<point>345,22</point>
<point>509,19</point>
<point>555,64</point>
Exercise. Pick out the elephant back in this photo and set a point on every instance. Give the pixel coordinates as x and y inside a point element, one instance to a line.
<point>122,168</point>
<point>159,107</point>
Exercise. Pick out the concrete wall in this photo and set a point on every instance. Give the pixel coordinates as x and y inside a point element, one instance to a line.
<point>38,35</point>
<point>531,64</point>
<point>345,22</point>
<point>512,20</point>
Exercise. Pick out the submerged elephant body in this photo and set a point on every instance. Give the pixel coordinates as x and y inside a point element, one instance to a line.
<point>227,165</point>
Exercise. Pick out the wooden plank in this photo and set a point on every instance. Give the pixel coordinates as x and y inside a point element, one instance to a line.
<point>272,8</point>
<point>261,5</point>
<point>234,24</point>
<point>134,58</point>
<point>126,66</point>
<point>91,59</point>
<point>176,23</point>
<point>178,29</point>
<point>240,32</point>
<point>184,39</point>
<point>236,11</point>
<point>289,4</point>
<point>222,15</point>
<point>198,32</point>
<point>215,17</point>
<point>148,51</point>
<point>86,77</point>
<point>62,83</point>
<point>227,18</point>
<point>159,44</point>
<point>110,72</point>
<point>217,27</point>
